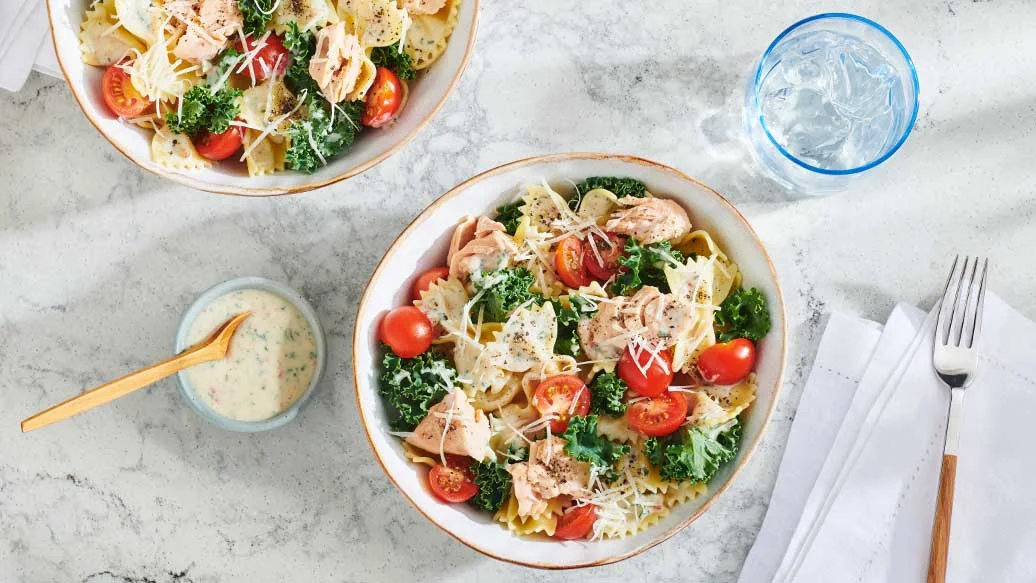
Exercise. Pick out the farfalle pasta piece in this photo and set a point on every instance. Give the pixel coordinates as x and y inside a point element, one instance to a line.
<point>426,39</point>
<point>306,14</point>
<point>266,102</point>
<point>140,18</point>
<point>267,156</point>
<point>176,151</point>
<point>596,205</point>
<point>377,23</point>
<point>102,39</point>
<point>545,522</point>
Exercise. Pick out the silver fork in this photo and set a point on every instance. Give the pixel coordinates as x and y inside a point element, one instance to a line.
<point>955,358</point>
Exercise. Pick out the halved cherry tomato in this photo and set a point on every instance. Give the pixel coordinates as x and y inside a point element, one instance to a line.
<point>568,262</point>
<point>219,146</point>
<point>659,372</point>
<point>270,61</point>
<point>119,94</point>
<point>577,522</point>
<point>555,395</point>
<point>659,416</point>
<point>453,482</point>
<point>609,251</point>
<point>383,99</point>
<point>426,279</point>
<point>407,331</point>
<point>727,363</point>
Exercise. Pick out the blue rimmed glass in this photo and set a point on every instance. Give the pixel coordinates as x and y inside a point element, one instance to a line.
<point>785,158</point>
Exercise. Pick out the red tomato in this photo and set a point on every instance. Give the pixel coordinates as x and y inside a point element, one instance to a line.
<point>568,262</point>
<point>219,146</point>
<point>727,363</point>
<point>609,265</point>
<point>555,395</point>
<point>270,61</point>
<point>383,99</point>
<point>659,416</point>
<point>119,94</point>
<point>426,279</point>
<point>577,522</point>
<point>407,331</point>
<point>453,482</point>
<point>658,376</point>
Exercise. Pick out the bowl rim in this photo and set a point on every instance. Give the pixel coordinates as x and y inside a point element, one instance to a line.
<point>553,159</point>
<point>196,184</point>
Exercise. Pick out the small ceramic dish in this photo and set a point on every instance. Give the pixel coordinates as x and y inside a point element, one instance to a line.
<point>253,283</point>
<point>424,243</point>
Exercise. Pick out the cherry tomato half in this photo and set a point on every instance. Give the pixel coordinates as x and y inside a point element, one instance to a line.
<point>119,94</point>
<point>658,374</point>
<point>659,416</point>
<point>453,482</point>
<point>568,262</point>
<point>577,522</point>
<point>219,146</point>
<point>555,395</point>
<point>727,363</point>
<point>610,253</point>
<point>270,61</point>
<point>407,331</point>
<point>426,279</point>
<point>383,99</point>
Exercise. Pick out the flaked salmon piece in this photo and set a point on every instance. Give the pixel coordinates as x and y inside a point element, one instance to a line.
<point>337,63</point>
<point>553,473</point>
<point>468,432</point>
<point>649,220</point>
<point>530,503</point>
<point>601,335</point>
<point>659,319</point>
<point>462,235</point>
<point>209,23</point>
<point>490,249</point>
<point>422,6</point>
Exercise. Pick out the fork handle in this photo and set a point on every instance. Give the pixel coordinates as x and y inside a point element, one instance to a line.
<point>941,528</point>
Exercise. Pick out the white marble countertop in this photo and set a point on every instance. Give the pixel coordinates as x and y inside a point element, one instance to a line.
<point>98,259</point>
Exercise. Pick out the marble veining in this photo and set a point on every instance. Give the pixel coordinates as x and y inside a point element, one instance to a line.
<point>98,260</point>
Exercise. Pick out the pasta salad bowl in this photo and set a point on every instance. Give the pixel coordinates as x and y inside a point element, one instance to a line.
<point>501,529</point>
<point>101,23</point>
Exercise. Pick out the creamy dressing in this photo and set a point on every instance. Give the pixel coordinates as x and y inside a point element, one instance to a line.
<point>271,361</point>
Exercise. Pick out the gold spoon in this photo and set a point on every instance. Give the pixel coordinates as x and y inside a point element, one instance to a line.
<point>214,347</point>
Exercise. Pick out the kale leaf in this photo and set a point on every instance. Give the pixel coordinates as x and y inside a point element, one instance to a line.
<point>398,62</point>
<point>412,385</point>
<point>317,138</point>
<point>644,266</point>
<point>585,445</point>
<point>509,216</point>
<point>694,454</point>
<point>256,14</point>
<point>302,46</point>
<point>743,315</point>
<point>607,392</point>
<point>204,110</point>
<point>620,187</point>
<point>494,485</point>
<point>568,323</point>
<point>502,292</point>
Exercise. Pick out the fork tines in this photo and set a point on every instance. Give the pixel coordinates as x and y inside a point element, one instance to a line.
<point>960,314</point>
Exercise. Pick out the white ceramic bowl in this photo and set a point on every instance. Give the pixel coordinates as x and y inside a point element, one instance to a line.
<point>427,95</point>
<point>424,244</point>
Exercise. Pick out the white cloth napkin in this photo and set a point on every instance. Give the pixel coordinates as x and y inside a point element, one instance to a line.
<point>869,511</point>
<point>23,31</point>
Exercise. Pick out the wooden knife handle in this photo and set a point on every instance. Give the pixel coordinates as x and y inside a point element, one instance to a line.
<point>941,528</point>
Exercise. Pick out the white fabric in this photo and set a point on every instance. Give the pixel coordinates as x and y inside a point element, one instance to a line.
<point>868,515</point>
<point>20,40</point>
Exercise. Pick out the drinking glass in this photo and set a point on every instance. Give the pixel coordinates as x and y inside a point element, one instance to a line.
<point>833,96</point>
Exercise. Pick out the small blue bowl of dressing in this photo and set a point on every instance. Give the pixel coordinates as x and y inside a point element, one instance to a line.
<point>275,361</point>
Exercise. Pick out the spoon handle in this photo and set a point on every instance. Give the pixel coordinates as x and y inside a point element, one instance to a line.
<point>119,387</point>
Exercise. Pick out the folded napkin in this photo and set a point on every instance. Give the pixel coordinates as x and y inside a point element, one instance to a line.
<point>23,31</point>
<point>869,510</point>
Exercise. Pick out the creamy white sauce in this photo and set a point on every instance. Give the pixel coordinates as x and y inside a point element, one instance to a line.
<point>271,361</point>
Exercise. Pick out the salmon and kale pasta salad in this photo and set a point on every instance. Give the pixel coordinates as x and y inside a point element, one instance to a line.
<point>276,84</point>
<point>578,364</point>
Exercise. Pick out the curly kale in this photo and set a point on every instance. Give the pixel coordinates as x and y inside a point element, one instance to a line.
<point>643,265</point>
<point>302,46</point>
<point>620,187</point>
<point>743,315</point>
<point>411,386</point>
<point>694,454</point>
<point>568,323</point>
<point>399,62</point>
<point>509,216</point>
<point>502,292</point>
<point>203,110</point>
<point>317,137</point>
<point>607,394</point>
<point>494,485</point>
<point>583,444</point>
<point>256,14</point>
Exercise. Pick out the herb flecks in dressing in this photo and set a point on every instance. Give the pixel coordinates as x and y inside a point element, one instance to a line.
<point>271,360</point>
